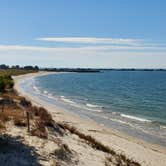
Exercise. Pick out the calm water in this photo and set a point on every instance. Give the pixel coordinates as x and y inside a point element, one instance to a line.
<point>131,101</point>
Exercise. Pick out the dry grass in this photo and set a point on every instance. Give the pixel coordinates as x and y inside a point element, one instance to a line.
<point>4,116</point>
<point>42,119</point>
<point>12,111</point>
<point>63,153</point>
<point>25,103</point>
<point>39,130</point>
<point>35,110</point>
<point>20,121</point>
<point>2,126</point>
<point>45,117</point>
<point>40,112</point>
<point>16,115</point>
<point>89,139</point>
<point>15,109</point>
<point>13,96</point>
<point>47,120</point>
<point>117,159</point>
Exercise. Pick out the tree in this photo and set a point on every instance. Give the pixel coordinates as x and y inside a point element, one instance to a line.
<point>5,82</point>
<point>15,67</point>
<point>36,68</point>
<point>3,66</point>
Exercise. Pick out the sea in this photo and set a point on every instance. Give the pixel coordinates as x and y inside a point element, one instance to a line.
<point>132,102</point>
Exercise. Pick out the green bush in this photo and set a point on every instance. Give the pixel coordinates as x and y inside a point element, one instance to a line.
<point>5,82</point>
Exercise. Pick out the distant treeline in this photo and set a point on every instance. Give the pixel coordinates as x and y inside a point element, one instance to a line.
<point>85,70</point>
<point>4,67</point>
<point>133,69</point>
<point>80,70</point>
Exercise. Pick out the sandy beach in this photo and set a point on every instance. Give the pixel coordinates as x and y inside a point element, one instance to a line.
<point>144,153</point>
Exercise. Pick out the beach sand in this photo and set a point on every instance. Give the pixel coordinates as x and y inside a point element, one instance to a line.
<point>145,153</point>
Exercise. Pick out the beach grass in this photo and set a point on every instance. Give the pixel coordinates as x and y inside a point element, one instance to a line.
<point>118,159</point>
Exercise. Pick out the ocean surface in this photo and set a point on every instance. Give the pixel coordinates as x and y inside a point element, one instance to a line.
<point>133,102</point>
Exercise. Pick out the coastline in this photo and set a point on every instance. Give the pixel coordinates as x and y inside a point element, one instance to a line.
<point>143,152</point>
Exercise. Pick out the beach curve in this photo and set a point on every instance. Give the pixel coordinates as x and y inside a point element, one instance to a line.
<point>144,153</point>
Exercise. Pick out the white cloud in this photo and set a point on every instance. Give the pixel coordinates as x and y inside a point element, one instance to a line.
<point>91,52</point>
<point>89,40</point>
<point>91,56</point>
<point>83,48</point>
<point>107,53</point>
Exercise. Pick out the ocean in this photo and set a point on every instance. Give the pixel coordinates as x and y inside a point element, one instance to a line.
<point>133,102</point>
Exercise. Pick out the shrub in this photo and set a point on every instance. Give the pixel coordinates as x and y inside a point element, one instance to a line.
<point>39,130</point>
<point>5,82</point>
<point>63,153</point>
<point>45,117</point>
<point>25,103</point>
<point>4,116</point>
<point>2,127</point>
<point>20,121</point>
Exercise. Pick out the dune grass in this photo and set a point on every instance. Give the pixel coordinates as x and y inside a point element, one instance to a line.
<point>39,130</point>
<point>13,112</point>
<point>117,159</point>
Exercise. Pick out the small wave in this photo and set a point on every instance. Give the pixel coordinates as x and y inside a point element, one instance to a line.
<point>79,105</point>
<point>94,110</point>
<point>45,92</point>
<point>37,91</point>
<point>135,118</point>
<point>93,105</point>
<point>50,96</point>
<point>67,100</point>
<point>35,88</point>
<point>116,113</point>
<point>105,117</point>
<point>120,121</point>
<point>162,127</point>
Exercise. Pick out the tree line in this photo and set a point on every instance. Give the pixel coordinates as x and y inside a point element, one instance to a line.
<point>4,67</point>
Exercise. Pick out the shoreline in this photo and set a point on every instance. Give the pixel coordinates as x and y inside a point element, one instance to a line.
<point>141,151</point>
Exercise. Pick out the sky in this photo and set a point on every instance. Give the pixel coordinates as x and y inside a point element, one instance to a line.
<point>83,33</point>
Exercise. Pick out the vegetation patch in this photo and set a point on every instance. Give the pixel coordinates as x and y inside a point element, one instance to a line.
<point>39,130</point>
<point>2,127</point>
<point>63,153</point>
<point>118,159</point>
<point>6,82</point>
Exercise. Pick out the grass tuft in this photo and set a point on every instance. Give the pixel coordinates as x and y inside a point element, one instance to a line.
<point>39,130</point>
<point>2,127</point>
<point>120,159</point>
<point>63,153</point>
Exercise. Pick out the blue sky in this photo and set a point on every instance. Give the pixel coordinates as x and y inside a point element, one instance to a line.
<point>83,33</point>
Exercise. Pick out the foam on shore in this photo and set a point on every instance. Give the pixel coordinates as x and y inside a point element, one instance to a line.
<point>135,118</point>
